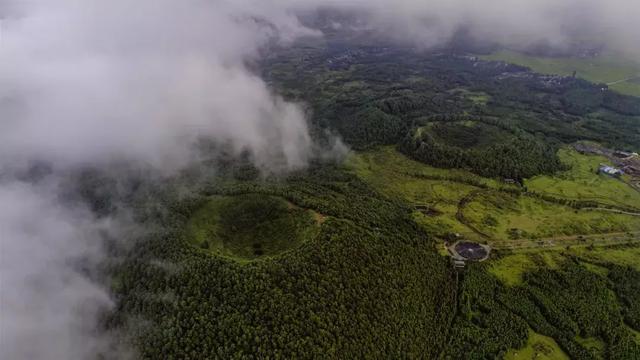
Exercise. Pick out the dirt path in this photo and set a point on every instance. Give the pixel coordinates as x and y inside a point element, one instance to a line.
<point>612,210</point>
<point>623,80</point>
<point>562,241</point>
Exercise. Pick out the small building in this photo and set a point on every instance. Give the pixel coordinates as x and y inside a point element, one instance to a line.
<point>609,170</point>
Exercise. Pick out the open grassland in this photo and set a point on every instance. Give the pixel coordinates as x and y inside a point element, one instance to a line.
<point>510,268</point>
<point>581,182</point>
<point>476,97</point>
<point>503,216</point>
<point>603,69</point>
<point>456,201</point>
<point>465,134</point>
<point>386,161</point>
<point>397,176</point>
<point>538,347</point>
<point>564,242</point>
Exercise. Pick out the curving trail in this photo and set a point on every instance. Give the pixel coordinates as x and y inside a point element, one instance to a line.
<point>623,80</point>
<point>612,210</point>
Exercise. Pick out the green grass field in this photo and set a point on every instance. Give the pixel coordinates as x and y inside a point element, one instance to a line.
<point>393,174</point>
<point>510,268</point>
<point>503,216</point>
<point>538,347</point>
<point>466,134</point>
<point>251,226</point>
<point>497,214</point>
<point>603,69</point>
<point>582,182</point>
<point>600,270</point>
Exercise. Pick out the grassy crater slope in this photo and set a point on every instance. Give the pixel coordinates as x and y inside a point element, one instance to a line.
<point>250,226</point>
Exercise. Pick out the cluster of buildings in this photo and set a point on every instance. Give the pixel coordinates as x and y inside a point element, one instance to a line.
<point>624,162</point>
<point>609,170</point>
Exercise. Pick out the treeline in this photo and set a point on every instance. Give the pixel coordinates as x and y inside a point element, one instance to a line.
<point>517,159</point>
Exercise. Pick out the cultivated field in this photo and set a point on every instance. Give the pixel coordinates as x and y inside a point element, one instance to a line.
<point>581,182</point>
<point>621,74</point>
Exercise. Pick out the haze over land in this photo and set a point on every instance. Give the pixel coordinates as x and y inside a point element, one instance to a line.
<point>90,83</point>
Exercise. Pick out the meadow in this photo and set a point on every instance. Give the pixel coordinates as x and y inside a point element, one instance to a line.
<point>395,175</point>
<point>582,182</point>
<point>538,347</point>
<point>457,201</point>
<point>504,216</point>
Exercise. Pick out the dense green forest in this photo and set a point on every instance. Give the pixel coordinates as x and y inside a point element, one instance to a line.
<point>368,284</point>
<point>318,264</point>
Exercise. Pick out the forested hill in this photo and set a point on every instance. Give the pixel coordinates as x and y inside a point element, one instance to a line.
<point>367,285</point>
<point>381,96</point>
